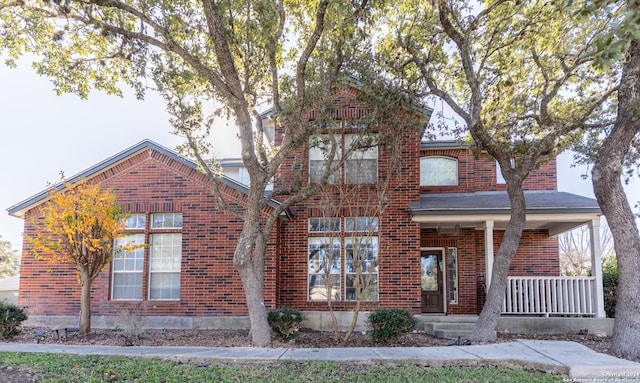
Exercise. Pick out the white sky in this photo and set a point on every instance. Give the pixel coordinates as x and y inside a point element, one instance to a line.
<point>42,134</point>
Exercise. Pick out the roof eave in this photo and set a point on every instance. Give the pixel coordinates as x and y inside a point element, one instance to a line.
<point>506,211</point>
<point>19,210</point>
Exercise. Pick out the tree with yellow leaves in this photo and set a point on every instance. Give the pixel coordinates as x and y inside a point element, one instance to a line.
<point>80,223</point>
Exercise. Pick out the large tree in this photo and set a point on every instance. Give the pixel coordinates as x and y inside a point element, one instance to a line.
<point>615,154</point>
<point>518,75</point>
<point>237,55</point>
<point>79,226</point>
<point>620,150</point>
<point>607,185</point>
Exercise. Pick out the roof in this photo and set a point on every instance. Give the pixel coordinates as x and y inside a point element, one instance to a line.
<point>546,209</point>
<point>498,201</point>
<point>19,209</point>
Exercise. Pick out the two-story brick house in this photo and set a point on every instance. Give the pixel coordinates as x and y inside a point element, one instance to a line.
<point>426,243</point>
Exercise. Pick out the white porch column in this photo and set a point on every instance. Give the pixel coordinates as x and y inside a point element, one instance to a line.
<point>488,250</point>
<point>596,265</point>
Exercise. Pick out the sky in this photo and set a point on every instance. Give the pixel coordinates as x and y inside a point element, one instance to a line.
<point>42,134</point>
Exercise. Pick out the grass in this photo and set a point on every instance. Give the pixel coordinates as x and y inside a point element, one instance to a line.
<point>94,368</point>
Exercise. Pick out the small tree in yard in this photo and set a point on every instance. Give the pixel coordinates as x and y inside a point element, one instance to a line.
<point>79,226</point>
<point>353,202</point>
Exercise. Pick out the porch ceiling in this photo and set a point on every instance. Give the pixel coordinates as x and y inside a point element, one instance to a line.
<point>551,210</point>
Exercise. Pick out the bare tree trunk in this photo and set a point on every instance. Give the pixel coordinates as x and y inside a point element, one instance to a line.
<point>354,322</point>
<point>484,330</point>
<point>249,262</point>
<point>611,197</point>
<point>85,303</point>
<point>260,331</point>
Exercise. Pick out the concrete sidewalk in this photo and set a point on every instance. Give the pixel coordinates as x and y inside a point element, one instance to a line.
<point>578,362</point>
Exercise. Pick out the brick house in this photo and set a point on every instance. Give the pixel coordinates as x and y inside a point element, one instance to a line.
<point>426,245</point>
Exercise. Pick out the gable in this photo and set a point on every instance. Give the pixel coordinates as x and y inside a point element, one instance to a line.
<point>153,161</point>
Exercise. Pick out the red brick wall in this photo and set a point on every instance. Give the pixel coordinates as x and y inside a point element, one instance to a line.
<point>145,183</point>
<point>399,237</point>
<point>536,255</point>
<point>480,174</point>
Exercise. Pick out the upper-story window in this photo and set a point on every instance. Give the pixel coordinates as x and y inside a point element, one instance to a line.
<point>438,171</point>
<point>361,167</point>
<point>499,177</point>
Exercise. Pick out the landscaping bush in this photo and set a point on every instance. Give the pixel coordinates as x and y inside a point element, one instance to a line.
<point>285,322</point>
<point>610,285</point>
<point>388,324</point>
<point>11,317</point>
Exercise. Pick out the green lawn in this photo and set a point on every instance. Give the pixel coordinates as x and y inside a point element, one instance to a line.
<point>70,368</point>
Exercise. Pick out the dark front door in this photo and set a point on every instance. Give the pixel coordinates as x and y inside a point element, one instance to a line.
<point>431,281</point>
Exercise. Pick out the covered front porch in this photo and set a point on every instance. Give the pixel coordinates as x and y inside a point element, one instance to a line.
<point>528,293</point>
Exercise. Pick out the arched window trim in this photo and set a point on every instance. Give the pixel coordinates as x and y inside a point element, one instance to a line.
<point>438,172</point>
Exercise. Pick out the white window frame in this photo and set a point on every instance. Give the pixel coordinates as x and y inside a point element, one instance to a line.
<point>135,222</point>
<point>164,259</point>
<point>324,225</point>
<point>425,181</point>
<point>357,158</point>
<point>499,177</point>
<point>316,267</point>
<point>372,245</point>
<point>319,150</point>
<point>355,228</point>
<point>169,221</point>
<point>125,258</point>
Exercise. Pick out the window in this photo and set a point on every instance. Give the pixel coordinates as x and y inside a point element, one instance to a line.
<point>319,152</point>
<point>324,269</point>
<point>165,256</point>
<point>362,165</point>
<point>360,258</point>
<point>127,269</point>
<point>438,171</point>
<point>499,178</point>
<point>361,224</point>
<point>324,224</point>
<point>361,252</point>
<point>166,221</point>
<point>452,275</point>
<point>135,221</point>
<point>360,168</point>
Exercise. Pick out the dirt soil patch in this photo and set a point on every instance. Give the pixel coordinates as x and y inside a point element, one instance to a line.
<point>306,339</point>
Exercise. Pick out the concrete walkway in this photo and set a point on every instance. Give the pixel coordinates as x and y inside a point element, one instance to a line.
<point>578,362</point>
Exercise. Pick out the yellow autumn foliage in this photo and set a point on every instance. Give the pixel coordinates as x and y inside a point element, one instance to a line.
<point>79,225</point>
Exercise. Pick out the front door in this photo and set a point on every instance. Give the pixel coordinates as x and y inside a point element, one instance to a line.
<point>431,281</point>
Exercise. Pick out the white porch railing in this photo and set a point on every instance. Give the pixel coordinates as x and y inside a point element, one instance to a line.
<point>550,296</point>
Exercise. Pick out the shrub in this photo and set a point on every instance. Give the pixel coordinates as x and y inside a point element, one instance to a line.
<point>610,285</point>
<point>11,317</point>
<point>285,322</point>
<point>388,324</point>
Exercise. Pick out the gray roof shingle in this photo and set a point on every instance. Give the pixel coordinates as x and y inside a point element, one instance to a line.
<point>538,201</point>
